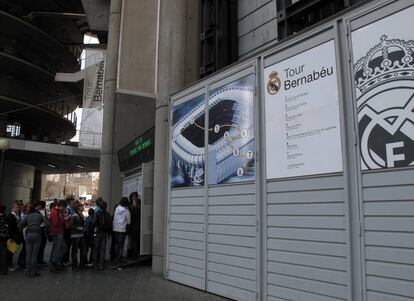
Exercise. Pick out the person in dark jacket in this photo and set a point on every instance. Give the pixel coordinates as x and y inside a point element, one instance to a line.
<point>4,236</point>
<point>89,235</point>
<point>13,220</point>
<point>135,223</point>
<point>77,234</point>
<point>32,222</point>
<point>41,255</point>
<point>103,224</point>
<point>69,211</point>
<point>24,211</point>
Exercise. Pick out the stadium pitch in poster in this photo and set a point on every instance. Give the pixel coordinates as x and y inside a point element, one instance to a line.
<point>187,143</point>
<point>231,141</point>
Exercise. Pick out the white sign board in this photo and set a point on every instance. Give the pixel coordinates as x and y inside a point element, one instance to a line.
<point>302,115</point>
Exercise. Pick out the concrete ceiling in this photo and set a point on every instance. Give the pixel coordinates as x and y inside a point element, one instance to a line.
<point>53,158</point>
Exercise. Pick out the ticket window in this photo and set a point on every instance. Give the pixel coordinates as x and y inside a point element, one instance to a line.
<point>142,182</point>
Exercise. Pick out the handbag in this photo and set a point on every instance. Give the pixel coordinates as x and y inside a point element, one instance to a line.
<point>11,246</point>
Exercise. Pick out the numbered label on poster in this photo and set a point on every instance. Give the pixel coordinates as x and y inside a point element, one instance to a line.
<point>231,132</point>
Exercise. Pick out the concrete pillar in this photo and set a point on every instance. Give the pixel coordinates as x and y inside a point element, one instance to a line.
<point>171,73</point>
<point>3,125</point>
<point>17,183</point>
<point>106,182</point>
<point>37,186</point>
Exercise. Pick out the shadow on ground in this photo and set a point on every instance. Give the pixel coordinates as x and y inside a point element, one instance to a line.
<point>131,283</point>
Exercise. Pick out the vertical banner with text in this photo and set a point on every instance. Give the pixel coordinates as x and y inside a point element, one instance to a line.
<point>90,134</point>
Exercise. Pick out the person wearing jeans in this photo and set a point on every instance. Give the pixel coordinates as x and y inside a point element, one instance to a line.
<point>57,226</point>
<point>77,233</point>
<point>32,222</point>
<point>103,223</point>
<point>58,250</point>
<point>33,241</point>
<point>122,218</point>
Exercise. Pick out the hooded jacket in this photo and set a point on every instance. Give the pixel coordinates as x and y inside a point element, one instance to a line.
<point>122,218</point>
<point>57,223</point>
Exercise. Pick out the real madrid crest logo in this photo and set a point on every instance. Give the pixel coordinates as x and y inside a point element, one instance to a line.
<point>274,84</point>
<point>385,100</point>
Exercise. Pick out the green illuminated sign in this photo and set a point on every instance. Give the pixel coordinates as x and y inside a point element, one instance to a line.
<point>138,151</point>
<point>140,145</point>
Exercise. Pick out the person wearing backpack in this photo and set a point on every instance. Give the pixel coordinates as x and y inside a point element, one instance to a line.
<point>103,224</point>
<point>4,236</point>
<point>122,218</point>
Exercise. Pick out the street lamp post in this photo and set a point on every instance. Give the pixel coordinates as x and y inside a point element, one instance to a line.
<point>4,145</point>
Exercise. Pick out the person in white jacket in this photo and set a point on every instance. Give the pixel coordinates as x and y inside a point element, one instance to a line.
<point>122,218</point>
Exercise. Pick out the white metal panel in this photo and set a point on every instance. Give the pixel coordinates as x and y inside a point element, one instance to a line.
<point>186,249</point>
<point>232,242</point>
<point>388,209</point>
<point>306,240</point>
<point>146,192</point>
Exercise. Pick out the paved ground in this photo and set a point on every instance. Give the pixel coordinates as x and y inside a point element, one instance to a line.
<point>132,283</point>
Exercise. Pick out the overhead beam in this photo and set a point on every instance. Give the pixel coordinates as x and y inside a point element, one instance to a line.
<point>58,149</point>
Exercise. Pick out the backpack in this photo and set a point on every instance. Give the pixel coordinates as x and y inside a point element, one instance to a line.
<point>4,228</point>
<point>105,222</point>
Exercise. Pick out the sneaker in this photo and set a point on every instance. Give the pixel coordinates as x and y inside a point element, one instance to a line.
<point>90,265</point>
<point>11,269</point>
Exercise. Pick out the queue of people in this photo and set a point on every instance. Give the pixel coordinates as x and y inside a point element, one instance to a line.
<point>77,241</point>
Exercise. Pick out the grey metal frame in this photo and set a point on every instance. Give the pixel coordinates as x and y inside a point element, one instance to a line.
<point>291,48</point>
<point>339,30</point>
<point>196,90</point>
<point>354,20</point>
<point>231,75</point>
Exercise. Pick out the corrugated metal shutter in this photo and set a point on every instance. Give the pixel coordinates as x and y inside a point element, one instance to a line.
<point>232,243</point>
<point>388,201</point>
<point>186,249</point>
<point>306,240</point>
